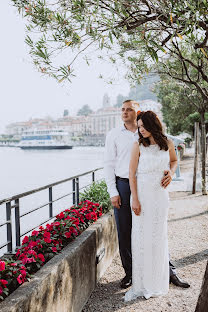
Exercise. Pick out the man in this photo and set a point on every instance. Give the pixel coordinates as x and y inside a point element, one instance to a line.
<point>119,142</point>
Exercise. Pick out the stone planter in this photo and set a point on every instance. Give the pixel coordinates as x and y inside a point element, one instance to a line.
<point>67,280</point>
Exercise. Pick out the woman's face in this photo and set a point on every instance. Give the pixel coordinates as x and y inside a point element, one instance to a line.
<point>142,130</point>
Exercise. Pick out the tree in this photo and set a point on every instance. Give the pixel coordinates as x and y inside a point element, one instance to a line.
<point>189,68</point>
<point>123,26</point>
<point>84,111</point>
<point>177,115</point>
<point>120,99</point>
<point>144,91</point>
<point>174,105</point>
<point>66,112</point>
<point>174,94</point>
<point>203,298</point>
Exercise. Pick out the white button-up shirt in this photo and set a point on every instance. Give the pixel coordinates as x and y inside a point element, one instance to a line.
<point>118,146</point>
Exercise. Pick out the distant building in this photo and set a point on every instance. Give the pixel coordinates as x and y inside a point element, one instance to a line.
<point>106,101</point>
<point>105,119</point>
<point>95,125</point>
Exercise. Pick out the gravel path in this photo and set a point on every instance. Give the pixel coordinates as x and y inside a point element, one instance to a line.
<point>188,232</point>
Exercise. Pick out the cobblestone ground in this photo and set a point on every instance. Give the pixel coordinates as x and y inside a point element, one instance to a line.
<point>188,233</point>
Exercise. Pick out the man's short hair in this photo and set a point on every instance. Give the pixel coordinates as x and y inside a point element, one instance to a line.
<point>126,101</point>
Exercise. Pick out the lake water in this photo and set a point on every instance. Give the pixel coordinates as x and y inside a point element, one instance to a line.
<point>23,170</point>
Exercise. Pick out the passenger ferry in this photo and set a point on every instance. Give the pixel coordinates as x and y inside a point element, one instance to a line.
<point>45,139</point>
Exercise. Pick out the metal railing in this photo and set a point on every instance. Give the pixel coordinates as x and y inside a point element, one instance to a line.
<point>14,203</point>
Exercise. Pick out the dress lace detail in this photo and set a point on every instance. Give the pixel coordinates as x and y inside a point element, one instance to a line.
<point>150,260</point>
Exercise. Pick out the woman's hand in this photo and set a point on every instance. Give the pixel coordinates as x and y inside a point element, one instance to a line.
<point>136,207</point>
<point>166,179</point>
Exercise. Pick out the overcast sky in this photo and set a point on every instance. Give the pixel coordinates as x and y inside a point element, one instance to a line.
<point>25,94</point>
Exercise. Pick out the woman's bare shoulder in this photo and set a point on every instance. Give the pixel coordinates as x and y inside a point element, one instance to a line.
<point>170,143</point>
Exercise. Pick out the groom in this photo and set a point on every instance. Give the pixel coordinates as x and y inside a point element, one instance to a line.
<point>119,142</point>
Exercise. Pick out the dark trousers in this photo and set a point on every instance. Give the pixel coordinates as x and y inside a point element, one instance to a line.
<point>124,224</point>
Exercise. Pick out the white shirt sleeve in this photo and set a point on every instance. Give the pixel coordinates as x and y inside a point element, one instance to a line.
<point>109,164</point>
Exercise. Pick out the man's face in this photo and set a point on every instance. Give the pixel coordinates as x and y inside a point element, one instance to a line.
<point>128,112</point>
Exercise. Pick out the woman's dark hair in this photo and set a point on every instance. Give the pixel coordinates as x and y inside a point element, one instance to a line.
<point>152,124</point>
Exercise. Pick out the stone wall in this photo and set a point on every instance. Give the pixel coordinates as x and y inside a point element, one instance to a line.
<point>67,280</point>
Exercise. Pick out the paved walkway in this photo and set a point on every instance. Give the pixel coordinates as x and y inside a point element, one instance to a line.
<point>188,232</point>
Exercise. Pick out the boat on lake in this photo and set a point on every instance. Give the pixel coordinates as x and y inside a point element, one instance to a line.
<point>45,139</point>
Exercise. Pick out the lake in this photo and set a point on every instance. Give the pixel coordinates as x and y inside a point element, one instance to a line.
<point>24,170</point>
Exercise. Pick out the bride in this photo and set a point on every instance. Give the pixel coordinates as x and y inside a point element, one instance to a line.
<point>153,163</point>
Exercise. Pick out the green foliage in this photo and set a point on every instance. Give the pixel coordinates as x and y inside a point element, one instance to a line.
<point>139,32</point>
<point>143,91</point>
<point>179,106</point>
<point>84,111</point>
<point>97,193</point>
<point>120,99</point>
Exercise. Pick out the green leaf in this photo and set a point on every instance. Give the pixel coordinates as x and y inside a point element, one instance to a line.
<point>110,36</point>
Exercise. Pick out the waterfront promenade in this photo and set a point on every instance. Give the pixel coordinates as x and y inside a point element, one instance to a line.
<point>188,232</point>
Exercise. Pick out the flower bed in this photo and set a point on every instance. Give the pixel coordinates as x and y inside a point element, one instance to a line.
<point>43,244</point>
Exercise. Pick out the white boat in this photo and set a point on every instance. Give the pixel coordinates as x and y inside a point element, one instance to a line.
<point>45,139</point>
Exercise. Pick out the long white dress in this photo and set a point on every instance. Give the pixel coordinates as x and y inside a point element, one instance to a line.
<point>150,259</point>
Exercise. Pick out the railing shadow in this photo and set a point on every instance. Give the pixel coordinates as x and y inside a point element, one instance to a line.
<point>189,217</point>
<point>199,256</point>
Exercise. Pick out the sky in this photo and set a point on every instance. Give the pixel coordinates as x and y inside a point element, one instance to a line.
<point>25,93</point>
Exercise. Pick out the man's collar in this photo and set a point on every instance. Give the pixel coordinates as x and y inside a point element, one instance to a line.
<point>123,128</point>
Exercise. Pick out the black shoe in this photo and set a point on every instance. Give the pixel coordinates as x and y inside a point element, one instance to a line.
<point>178,282</point>
<point>126,282</point>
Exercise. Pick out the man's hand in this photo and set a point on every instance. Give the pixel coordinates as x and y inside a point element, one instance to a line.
<point>136,207</point>
<point>166,179</point>
<point>116,201</point>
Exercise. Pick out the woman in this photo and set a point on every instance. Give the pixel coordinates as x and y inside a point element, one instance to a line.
<point>152,158</point>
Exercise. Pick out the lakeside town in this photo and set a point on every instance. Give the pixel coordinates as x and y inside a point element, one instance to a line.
<point>89,130</point>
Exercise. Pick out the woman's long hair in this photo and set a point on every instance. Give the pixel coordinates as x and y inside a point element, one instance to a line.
<point>153,125</point>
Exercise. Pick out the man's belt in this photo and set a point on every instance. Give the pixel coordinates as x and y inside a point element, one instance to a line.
<point>122,179</point>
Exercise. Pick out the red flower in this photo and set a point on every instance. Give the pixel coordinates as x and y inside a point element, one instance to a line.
<point>32,252</point>
<point>56,223</point>
<point>25,240</point>
<point>47,240</point>
<point>32,244</point>
<point>18,253</point>
<point>60,215</point>
<point>41,257</point>
<point>23,273</point>
<point>47,235</point>
<point>3,282</point>
<point>72,230</point>
<point>1,290</point>
<point>35,233</point>
<point>20,279</point>
<point>28,260</point>
<point>2,265</point>
<point>54,249</point>
<point>68,234</point>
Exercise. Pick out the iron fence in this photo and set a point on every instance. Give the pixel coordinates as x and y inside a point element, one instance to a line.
<point>14,203</point>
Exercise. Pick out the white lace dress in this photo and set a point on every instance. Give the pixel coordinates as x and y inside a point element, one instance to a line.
<point>150,259</point>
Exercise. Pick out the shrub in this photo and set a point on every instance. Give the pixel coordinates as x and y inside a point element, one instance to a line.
<point>97,192</point>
